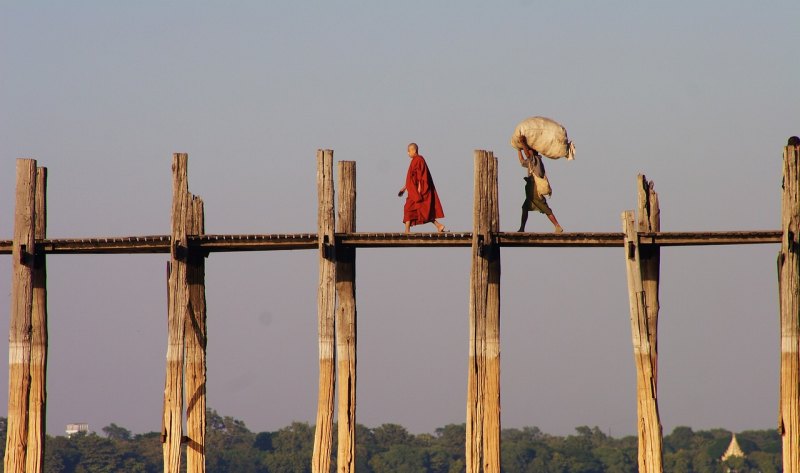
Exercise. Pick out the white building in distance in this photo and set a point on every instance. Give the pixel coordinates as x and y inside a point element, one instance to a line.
<point>73,429</point>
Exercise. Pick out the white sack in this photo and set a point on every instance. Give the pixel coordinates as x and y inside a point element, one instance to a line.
<point>544,135</point>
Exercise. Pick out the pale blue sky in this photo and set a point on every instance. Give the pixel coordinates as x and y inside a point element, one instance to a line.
<point>699,96</point>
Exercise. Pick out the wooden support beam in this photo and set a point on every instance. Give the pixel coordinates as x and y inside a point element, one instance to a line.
<point>491,423</point>
<point>649,215</point>
<point>483,375</point>
<point>789,288</point>
<point>38,392</point>
<point>308,241</point>
<point>195,340</point>
<point>223,243</point>
<point>178,307</point>
<point>642,273</point>
<point>346,317</point>
<point>326,305</point>
<point>477,319</point>
<point>753,237</point>
<point>19,334</point>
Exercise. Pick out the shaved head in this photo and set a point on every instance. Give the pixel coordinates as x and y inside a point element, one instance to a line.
<point>414,147</point>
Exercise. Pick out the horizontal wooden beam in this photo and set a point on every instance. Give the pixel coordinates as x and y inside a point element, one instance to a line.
<point>306,241</point>
<point>645,238</point>
<point>161,244</point>
<point>122,245</point>
<point>296,241</point>
<point>560,239</point>
<point>395,240</point>
<point>710,238</point>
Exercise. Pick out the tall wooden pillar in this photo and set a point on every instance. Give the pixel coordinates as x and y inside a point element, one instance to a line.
<point>650,260</point>
<point>789,284</point>
<point>19,334</point>
<point>491,424</point>
<point>38,390</point>
<point>326,304</point>
<point>642,265</point>
<point>346,321</point>
<point>178,308</point>
<point>483,376</point>
<point>195,333</point>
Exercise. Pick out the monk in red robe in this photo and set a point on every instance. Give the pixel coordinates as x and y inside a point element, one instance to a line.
<point>422,203</point>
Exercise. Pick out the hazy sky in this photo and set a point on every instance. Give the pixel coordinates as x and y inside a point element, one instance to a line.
<point>699,96</point>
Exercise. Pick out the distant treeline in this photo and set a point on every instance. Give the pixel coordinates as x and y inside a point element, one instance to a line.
<point>232,448</point>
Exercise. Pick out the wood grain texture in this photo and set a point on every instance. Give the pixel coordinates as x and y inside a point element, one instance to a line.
<point>649,215</point>
<point>482,449</point>
<point>477,319</point>
<point>38,391</point>
<point>196,338</point>
<point>789,286</point>
<point>326,306</point>
<point>491,423</point>
<point>346,317</point>
<point>648,420</point>
<point>19,334</point>
<point>177,309</point>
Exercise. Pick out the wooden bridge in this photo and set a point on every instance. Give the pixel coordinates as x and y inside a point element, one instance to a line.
<point>337,242</point>
<point>307,241</point>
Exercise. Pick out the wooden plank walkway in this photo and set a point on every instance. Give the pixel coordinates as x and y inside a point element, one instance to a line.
<point>305,241</point>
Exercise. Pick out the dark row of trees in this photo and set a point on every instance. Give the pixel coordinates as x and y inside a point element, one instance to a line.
<point>232,448</point>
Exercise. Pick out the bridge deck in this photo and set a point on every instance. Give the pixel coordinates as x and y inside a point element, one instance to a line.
<point>301,241</point>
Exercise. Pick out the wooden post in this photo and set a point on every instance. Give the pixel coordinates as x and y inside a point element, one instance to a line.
<point>491,424</point>
<point>326,305</point>
<point>178,306</point>
<point>650,260</point>
<point>346,321</point>
<point>195,333</point>
<point>477,327</point>
<point>642,271</point>
<point>38,391</point>
<point>483,376</point>
<point>19,334</point>
<point>789,286</point>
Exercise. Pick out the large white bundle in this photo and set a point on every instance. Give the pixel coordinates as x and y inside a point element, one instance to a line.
<point>544,135</point>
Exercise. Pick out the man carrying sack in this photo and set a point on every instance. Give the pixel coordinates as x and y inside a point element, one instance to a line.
<point>533,136</point>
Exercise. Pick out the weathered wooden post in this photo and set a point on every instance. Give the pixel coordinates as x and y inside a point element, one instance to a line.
<point>326,305</point>
<point>195,333</point>
<point>789,284</point>
<point>38,391</point>
<point>650,260</point>
<point>19,334</point>
<point>642,267</point>
<point>346,321</point>
<point>483,376</point>
<point>491,424</point>
<point>178,306</point>
<point>477,326</point>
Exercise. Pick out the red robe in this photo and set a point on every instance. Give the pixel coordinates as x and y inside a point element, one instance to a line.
<point>424,206</point>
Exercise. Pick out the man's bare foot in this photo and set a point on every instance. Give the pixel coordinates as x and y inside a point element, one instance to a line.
<point>559,229</point>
